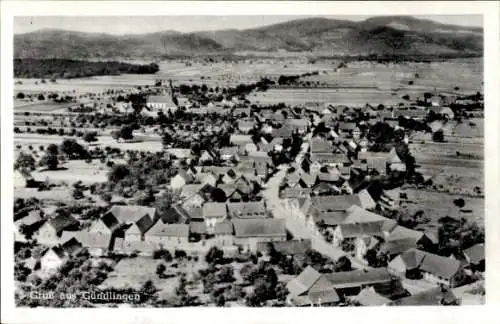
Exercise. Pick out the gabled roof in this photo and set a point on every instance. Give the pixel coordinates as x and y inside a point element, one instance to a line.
<point>399,246</point>
<point>361,229</point>
<point>369,297</point>
<point>198,227</point>
<point>131,213</point>
<point>322,291</point>
<point>88,239</point>
<point>251,209</point>
<point>321,145</point>
<point>214,209</point>
<point>402,233</point>
<point>169,230</point>
<point>431,297</point>
<point>33,217</point>
<point>475,254</point>
<point>161,99</point>
<point>291,247</point>
<point>257,227</point>
<point>393,157</point>
<point>303,282</point>
<point>61,222</point>
<point>357,278</point>
<point>334,202</point>
<point>431,263</point>
<point>223,228</point>
<point>356,214</point>
<point>59,251</point>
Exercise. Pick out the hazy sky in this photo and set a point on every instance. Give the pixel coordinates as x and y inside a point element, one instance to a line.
<point>147,24</point>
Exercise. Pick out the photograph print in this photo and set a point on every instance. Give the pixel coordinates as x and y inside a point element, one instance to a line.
<point>248,161</point>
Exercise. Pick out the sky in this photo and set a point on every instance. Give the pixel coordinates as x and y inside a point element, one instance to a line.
<point>119,25</point>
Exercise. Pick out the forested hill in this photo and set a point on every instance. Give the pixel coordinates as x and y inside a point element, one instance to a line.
<point>390,35</point>
<point>63,68</point>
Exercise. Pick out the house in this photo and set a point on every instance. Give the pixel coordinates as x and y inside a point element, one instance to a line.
<point>167,235</point>
<point>241,112</point>
<point>369,297</point>
<point>180,179</point>
<point>96,244</point>
<point>475,257</point>
<point>223,233</point>
<point>420,239</point>
<point>261,168</point>
<point>179,153</point>
<point>133,221</point>
<point>229,153</point>
<point>290,248</point>
<point>214,212</point>
<point>394,162</point>
<point>418,264</point>
<point>350,283</point>
<point>206,157</point>
<point>176,212</point>
<point>245,126</point>
<point>240,139</point>
<point>298,125</point>
<point>30,223</point>
<point>249,232</point>
<point>320,145</point>
<point>163,103</point>
<point>311,288</point>
<point>50,232</point>
<point>52,259</point>
<point>356,214</point>
<point>251,209</point>
<point>431,297</point>
<point>365,235</point>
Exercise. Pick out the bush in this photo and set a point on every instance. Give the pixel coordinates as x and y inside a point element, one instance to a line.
<point>180,254</point>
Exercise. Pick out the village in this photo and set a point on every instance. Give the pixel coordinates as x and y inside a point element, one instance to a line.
<point>188,195</point>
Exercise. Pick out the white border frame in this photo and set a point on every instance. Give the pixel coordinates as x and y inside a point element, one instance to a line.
<point>464,314</point>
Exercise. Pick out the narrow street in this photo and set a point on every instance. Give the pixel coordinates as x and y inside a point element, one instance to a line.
<point>294,222</point>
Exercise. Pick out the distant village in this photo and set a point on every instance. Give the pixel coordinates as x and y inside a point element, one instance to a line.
<point>189,195</point>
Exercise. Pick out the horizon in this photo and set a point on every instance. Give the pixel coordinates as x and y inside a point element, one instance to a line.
<point>136,25</point>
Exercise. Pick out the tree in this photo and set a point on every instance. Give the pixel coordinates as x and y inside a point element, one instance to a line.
<point>218,195</point>
<point>73,150</point>
<point>160,270</point>
<point>41,97</point>
<point>52,149</point>
<point>90,137</point>
<point>460,202</point>
<point>438,136</point>
<point>343,264</point>
<point>50,161</point>
<point>20,95</point>
<point>77,193</point>
<point>126,132</point>
<point>427,96</point>
<point>214,255</point>
<point>25,161</point>
<point>118,172</point>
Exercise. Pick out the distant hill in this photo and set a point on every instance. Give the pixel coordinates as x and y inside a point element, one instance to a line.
<point>387,35</point>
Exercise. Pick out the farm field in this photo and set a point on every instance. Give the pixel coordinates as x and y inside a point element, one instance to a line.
<point>151,144</point>
<point>437,205</point>
<point>40,107</point>
<point>73,171</point>
<point>341,96</point>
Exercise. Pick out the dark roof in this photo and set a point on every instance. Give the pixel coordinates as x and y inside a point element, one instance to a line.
<point>361,229</point>
<point>169,230</point>
<point>475,254</point>
<point>292,247</point>
<point>214,209</point>
<point>431,263</point>
<point>432,297</point>
<point>72,246</point>
<point>61,222</point>
<point>303,282</point>
<point>358,278</point>
<point>259,227</point>
<point>176,210</point>
<point>58,250</point>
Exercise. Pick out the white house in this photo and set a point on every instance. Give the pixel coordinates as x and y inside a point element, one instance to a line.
<point>164,103</point>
